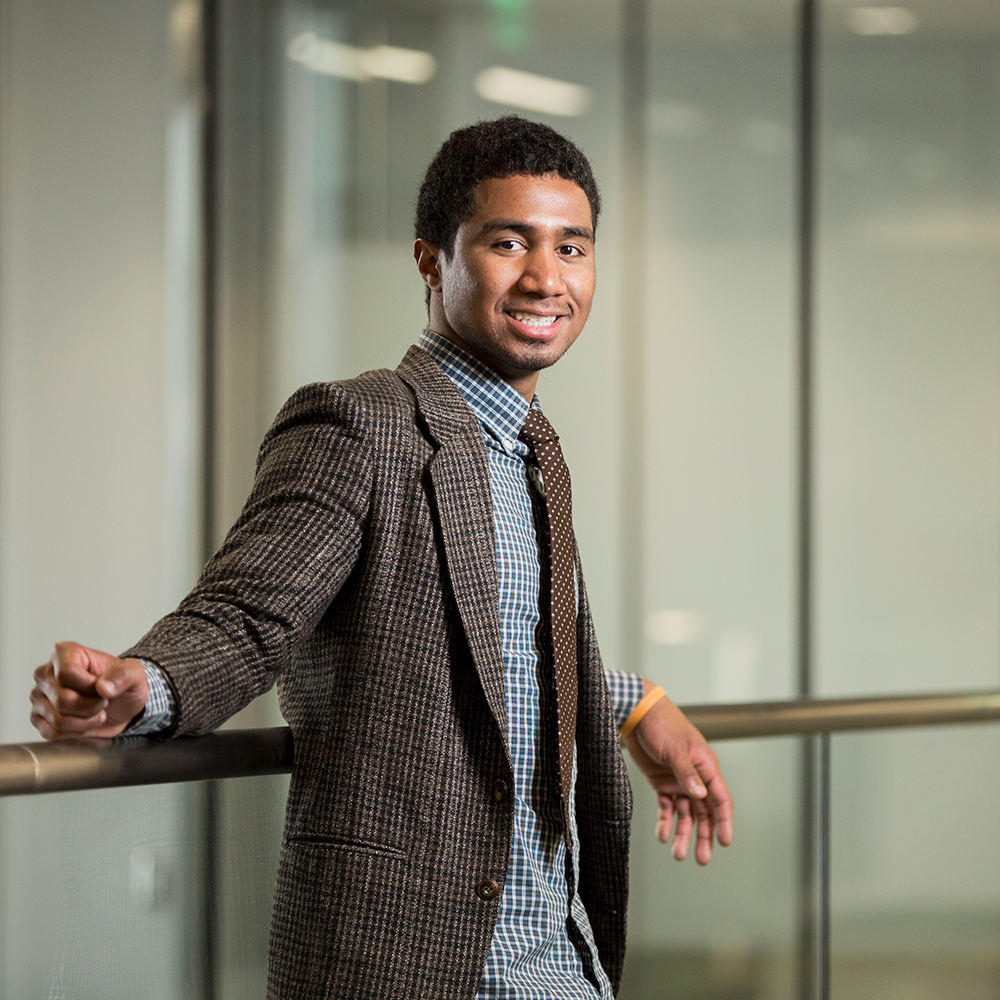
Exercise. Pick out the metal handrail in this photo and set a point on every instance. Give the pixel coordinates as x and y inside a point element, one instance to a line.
<point>31,768</point>
<point>835,715</point>
<point>70,765</point>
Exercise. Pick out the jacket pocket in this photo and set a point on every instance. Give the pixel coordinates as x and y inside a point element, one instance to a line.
<point>334,842</point>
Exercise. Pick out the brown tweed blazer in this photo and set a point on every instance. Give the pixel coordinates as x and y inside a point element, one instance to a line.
<point>361,577</point>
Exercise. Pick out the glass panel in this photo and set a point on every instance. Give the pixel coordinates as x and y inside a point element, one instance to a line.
<point>908,444</point>
<point>251,814</point>
<point>117,898</point>
<point>100,423</point>
<point>915,864</point>
<point>101,901</point>
<point>728,930</point>
<point>908,461</point>
<point>719,478</point>
<point>720,411</point>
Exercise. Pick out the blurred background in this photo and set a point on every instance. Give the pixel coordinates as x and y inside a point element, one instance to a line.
<point>783,423</point>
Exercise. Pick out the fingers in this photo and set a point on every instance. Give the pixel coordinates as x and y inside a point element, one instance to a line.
<point>694,817</point>
<point>685,772</point>
<point>62,690</point>
<point>717,798</point>
<point>706,830</point>
<point>722,808</point>
<point>665,821</point>
<point>84,692</point>
<point>63,711</point>
<point>685,822</point>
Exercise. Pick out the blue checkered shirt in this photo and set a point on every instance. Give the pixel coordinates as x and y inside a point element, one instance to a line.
<point>532,955</point>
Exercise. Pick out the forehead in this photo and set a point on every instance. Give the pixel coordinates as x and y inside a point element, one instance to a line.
<point>547,200</point>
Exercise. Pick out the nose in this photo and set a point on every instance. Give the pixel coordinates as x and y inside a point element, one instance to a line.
<point>541,274</point>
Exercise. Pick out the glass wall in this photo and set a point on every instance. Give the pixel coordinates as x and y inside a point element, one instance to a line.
<point>100,437</point>
<point>908,482</point>
<point>679,409</point>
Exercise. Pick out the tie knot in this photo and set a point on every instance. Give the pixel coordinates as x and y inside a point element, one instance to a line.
<point>537,430</point>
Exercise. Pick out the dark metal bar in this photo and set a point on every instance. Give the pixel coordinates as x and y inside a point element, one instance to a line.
<point>806,175</point>
<point>635,42</point>
<point>209,264</point>
<point>31,768</point>
<point>807,43</point>
<point>808,871</point>
<point>791,718</point>
<point>209,330</point>
<point>823,909</point>
<point>210,889</point>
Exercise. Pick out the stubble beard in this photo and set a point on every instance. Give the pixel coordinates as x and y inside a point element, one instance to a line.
<point>530,358</point>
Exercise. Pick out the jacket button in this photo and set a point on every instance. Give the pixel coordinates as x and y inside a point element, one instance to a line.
<point>500,790</point>
<point>488,889</point>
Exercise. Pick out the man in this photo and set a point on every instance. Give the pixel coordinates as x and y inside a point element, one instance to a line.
<point>396,570</point>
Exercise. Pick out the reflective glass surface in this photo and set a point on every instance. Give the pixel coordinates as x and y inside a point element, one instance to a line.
<point>678,411</point>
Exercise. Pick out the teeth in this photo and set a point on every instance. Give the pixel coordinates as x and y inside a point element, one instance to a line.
<point>530,319</point>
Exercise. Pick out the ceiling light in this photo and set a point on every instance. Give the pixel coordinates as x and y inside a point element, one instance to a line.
<point>517,89</point>
<point>389,62</point>
<point>882,20</point>
<point>383,62</point>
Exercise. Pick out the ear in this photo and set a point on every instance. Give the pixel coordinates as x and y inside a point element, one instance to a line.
<point>427,257</point>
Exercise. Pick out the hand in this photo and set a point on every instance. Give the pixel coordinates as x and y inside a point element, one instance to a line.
<point>684,773</point>
<point>82,692</point>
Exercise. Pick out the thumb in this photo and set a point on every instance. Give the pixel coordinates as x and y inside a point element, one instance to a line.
<point>119,677</point>
<point>687,774</point>
<point>667,736</point>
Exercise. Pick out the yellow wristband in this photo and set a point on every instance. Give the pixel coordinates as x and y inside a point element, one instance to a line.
<point>640,710</point>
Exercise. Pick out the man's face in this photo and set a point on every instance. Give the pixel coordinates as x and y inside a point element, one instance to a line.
<point>517,290</point>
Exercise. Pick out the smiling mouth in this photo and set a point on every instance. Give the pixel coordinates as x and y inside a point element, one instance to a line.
<point>533,319</point>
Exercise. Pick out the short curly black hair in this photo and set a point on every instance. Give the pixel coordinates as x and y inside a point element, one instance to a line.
<point>502,147</point>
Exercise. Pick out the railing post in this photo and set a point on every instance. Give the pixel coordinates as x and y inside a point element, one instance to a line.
<point>806,41</point>
<point>210,50</point>
<point>823,935</point>
<point>813,956</point>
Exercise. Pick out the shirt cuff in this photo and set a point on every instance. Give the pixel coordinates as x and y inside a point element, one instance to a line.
<point>626,692</point>
<point>160,709</point>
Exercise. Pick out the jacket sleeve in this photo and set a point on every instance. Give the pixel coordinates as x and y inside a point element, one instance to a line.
<point>282,563</point>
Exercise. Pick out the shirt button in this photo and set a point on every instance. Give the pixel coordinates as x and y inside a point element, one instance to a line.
<point>500,790</point>
<point>488,889</point>
<point>507,445</point>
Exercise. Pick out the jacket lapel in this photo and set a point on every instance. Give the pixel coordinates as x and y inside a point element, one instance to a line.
<point>464,506</point>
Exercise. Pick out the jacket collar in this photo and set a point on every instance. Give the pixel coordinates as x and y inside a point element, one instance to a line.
<point>460,493</point>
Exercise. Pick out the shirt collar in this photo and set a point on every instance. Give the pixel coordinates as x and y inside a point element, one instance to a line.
<point>500,409</point>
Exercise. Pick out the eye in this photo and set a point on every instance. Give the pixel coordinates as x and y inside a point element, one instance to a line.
<point>509,244</point>
<point>569,250</point>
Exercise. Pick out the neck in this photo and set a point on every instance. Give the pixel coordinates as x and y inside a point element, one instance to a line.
<point>523,382</point>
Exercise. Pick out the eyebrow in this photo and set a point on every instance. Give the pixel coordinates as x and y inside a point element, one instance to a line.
<point>517,226</point>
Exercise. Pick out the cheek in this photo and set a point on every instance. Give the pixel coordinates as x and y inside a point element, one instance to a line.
<point>459,287</point>
<point>583,292</point>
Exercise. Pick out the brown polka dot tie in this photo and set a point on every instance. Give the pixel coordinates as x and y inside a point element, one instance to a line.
<point>540,436</point>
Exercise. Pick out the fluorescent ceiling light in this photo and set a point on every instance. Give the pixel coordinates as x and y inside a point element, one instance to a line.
<point>389,62</point>
<point>882,20</point>
<point>517,89</point>
<point>383,62</point>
